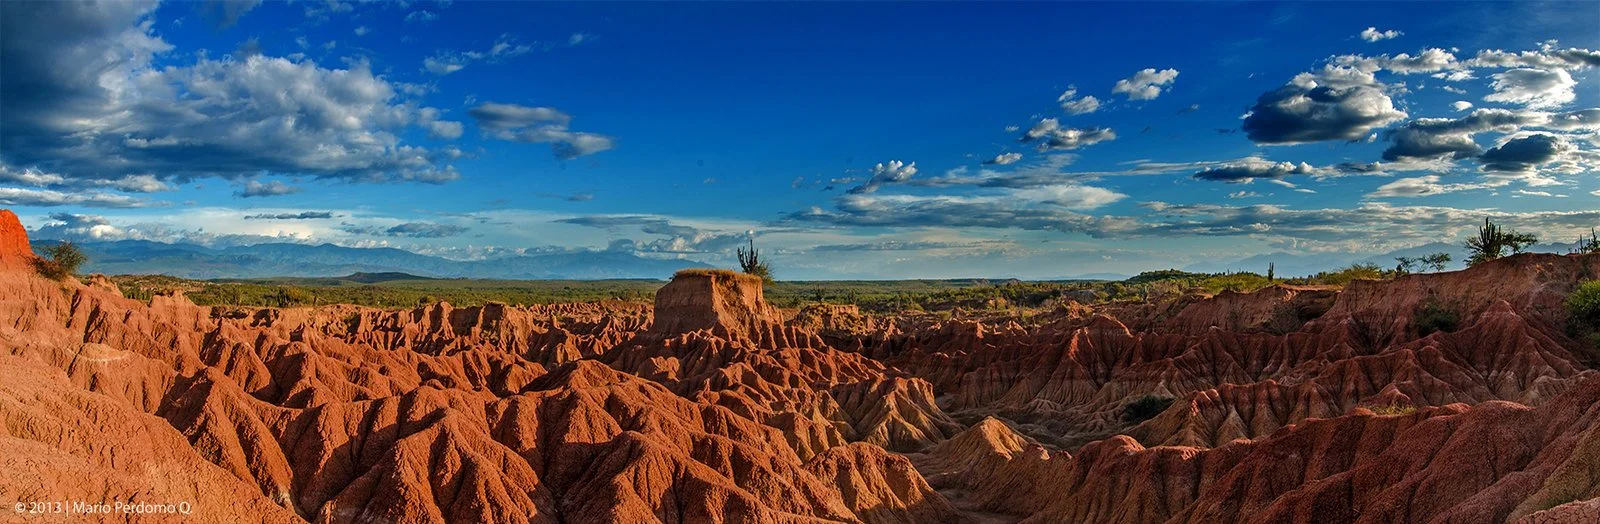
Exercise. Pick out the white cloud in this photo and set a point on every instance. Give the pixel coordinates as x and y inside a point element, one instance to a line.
<point>1077,106</point>
<point>1145,84</point>
<point>428,117</point>
<point>1372,34</point>
<point>1052,136</point>
<point>1461,105</point>
<point>97,107</point>
<point>1533,88</point>
<point>446,62</point>
<point>893,172</point>
<point>1004,159</point>
<point>1421,186</point>
<point>15,196</point>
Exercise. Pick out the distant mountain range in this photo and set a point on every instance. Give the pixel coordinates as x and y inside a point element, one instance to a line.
<point>1291,265</point>
<point>304,260</point>
<point>301,260</point>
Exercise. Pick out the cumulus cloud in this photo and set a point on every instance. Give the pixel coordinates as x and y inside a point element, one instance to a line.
<point>1429,60</point>
<point>1004,159</point>
<point>421,17</point>
<point>1372,34</point>
<point>1051,136</point>
<point>539,125</point>
<point>1461,105</point>
<point>82,93</point>
<point>255,188</point>
<point>893,172</point>
<point>406,230</point>
<point>1434,137</point>
<point>1533,88</point>
<point>1524,153</point>
<point>303,215</point>
<point>1248,169</point>
<point>1072,104</point>
<point>429,118</point>
<point>1338,104</point>
<point>1146,84</point>
<point>1547,57</point>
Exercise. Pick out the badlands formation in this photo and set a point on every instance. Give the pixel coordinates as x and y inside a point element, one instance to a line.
<point>1292,405</point>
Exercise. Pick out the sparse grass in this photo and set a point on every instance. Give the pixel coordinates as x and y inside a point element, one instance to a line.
<point>1392,410</point>
<point>1346,275</point>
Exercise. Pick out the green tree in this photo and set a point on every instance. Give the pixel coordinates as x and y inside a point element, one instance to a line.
<point>1435,261</point>
<point>1493,241</point>
<point>60,261</point>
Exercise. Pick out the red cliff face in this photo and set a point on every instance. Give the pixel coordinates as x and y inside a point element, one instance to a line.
<point>15,252</point>
<point>1292,405</point>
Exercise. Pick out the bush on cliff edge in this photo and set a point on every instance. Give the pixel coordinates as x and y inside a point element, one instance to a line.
<point>60,261</point>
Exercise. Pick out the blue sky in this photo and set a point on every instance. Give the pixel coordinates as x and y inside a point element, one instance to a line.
<point>880,140</point>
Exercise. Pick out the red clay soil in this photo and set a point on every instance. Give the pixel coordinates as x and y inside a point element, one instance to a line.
<point>712,406</point>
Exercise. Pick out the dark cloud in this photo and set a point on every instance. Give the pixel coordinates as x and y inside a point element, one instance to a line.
<point>1522,154</point>
<point>538,125</point>
<point>304,215</point>
<point>1304,111</point>
<point>255,188</point>
<point>225,13</point>
<point>406,230</point>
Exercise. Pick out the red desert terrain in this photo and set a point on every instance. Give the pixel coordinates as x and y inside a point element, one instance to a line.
<point>1293,405</point>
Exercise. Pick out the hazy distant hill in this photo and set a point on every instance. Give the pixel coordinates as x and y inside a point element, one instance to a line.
<point>300,260</point>
<point>1290,265</point>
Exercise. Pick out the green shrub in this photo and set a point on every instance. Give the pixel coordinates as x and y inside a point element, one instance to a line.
<point>1349,273</point>
<point>1584,304</point>
<point>60,261</point>
<point>1145,408</point>
<point>1433,316</point>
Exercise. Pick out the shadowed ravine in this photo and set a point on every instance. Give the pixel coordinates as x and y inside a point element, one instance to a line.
<point>715,406</point>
